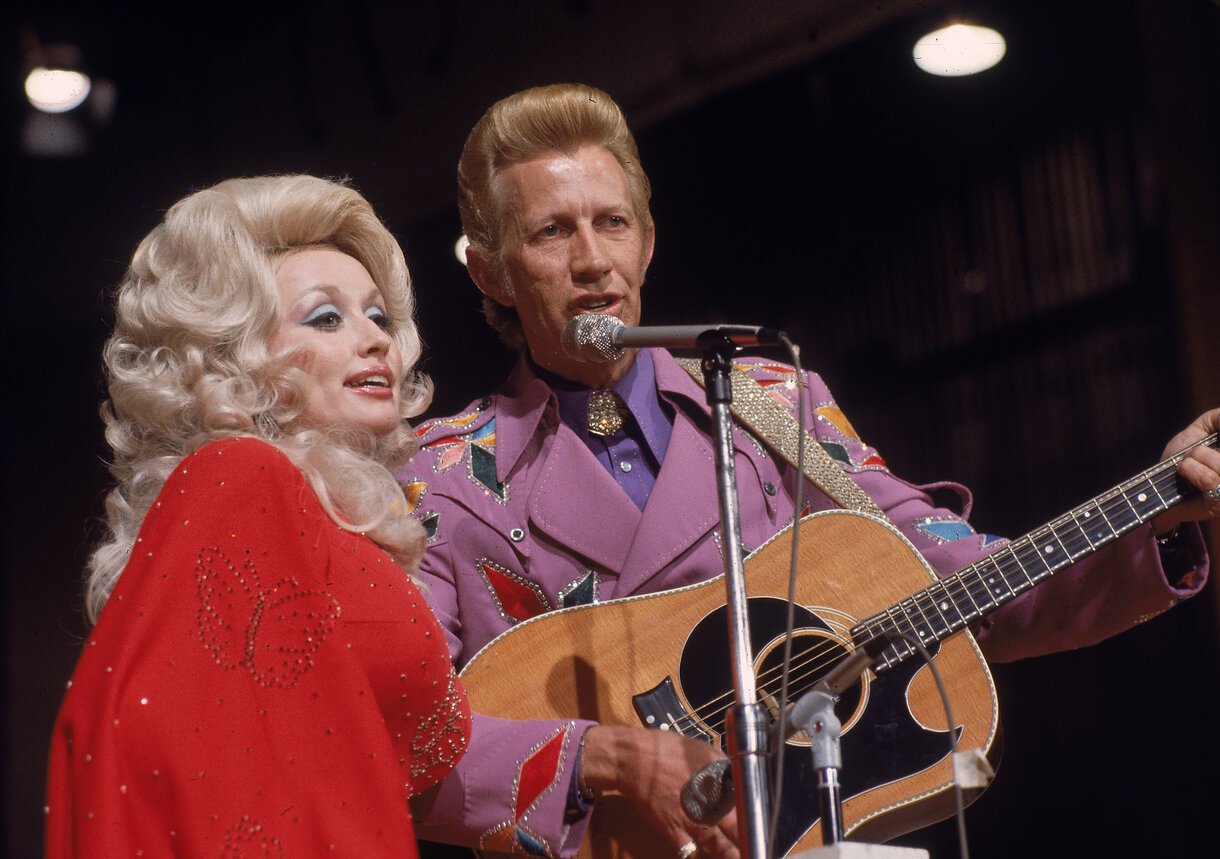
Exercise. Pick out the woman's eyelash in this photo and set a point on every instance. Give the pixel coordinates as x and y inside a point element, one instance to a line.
<point>380,317</point>
<point>324,315</point>
<point>329,316</point>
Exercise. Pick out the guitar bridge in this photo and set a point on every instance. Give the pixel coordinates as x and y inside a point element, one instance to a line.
<point>660,708</point>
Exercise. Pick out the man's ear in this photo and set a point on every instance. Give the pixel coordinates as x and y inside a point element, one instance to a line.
<point>487,278</point>
<point>650,242</point>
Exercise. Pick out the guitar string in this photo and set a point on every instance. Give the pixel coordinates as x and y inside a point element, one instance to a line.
<point>712,711</point>
<point>970,581</point>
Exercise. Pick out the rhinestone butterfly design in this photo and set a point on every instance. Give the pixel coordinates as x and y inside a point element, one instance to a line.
<point>270,631</point>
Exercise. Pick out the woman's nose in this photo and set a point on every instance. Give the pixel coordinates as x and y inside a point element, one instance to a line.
<point>375,339</point>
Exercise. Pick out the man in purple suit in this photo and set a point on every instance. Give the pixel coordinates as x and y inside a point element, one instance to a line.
<point>580,482</point>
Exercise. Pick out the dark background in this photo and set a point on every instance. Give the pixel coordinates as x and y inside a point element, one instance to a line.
<point>1008,280</point>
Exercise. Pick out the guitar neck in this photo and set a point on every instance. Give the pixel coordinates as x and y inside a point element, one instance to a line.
<point>956,601</point>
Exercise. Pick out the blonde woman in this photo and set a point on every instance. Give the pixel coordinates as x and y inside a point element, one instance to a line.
<point>264,675</point>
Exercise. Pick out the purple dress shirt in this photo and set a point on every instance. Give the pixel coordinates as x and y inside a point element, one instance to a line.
<point>634,454</point>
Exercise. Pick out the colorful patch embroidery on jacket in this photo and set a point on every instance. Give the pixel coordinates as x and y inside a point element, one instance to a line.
<point>517,598</point>
<point>781,388</point>
<point>839,452</point>
<point>783,372</point>
<point>536,777</point>
<point>946,529</point>
<point>834,416</point>
<point>413,491</point>
<point>431,522</point>
<point>457,422</point>
<point>451,451</point>
<point>582,591</point>
<point>943,529</point>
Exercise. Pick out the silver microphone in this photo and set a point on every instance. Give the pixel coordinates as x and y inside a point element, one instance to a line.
<point>602,339</point>
<point>708,796</point>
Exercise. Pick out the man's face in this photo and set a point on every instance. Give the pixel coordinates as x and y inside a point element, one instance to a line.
<point>572,244</point>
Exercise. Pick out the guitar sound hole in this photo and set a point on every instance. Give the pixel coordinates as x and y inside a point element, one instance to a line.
<point>814,653</point>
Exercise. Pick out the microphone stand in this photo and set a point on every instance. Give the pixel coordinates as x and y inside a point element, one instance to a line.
<point>747,722</point>
<point>824,730</point>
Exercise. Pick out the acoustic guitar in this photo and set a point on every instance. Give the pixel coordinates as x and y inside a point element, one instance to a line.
<point>662,661</point>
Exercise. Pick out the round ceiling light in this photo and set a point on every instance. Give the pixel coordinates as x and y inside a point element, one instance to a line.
<point>56,90</point>
<point>958,50</point>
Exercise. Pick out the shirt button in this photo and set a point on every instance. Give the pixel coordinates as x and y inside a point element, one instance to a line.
<point>624,467</point>
<point>516,535</point>
<point>769,488</point>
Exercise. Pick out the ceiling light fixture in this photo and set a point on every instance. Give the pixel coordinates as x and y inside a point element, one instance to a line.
<point>958,50</point>
<point>56,90</point>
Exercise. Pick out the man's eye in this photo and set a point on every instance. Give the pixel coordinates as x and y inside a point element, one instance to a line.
<point>549,231</point>
<point>616,221</point>
<point>325,316</point>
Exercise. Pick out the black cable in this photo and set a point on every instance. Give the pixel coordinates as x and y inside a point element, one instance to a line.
<point>790,624</point>
<point>794,354</point>
<point>962,846</point>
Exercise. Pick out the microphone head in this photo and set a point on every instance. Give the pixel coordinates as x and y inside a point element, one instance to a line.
<point>590,337</point>
<point>708,796</point>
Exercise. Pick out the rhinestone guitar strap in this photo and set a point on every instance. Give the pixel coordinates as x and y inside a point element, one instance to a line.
<point>778,429</point>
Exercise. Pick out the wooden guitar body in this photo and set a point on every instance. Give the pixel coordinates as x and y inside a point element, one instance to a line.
<point>662,661</point>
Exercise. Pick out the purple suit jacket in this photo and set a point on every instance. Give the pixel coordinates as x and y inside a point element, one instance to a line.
<point>523,519</point>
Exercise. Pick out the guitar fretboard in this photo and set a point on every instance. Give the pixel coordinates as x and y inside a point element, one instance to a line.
<point>954,602</point>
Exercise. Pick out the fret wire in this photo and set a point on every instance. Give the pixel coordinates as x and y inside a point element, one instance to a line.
<point>951,589</point>
<point>921,633</point>
<point>1055,555</point>
<point>890,612</point>
<point>1084,531</point>
<point>995,562</point>
<point>1015,554</point>
<point>1076,538</point>
<point>1077,545</point>
<point>946,586</point>
<point>927,597</point>
<point>1046,558</point>
<point>1118,509</point>
<point>942,594</point>
<point>1172,491</point>
<point>1104,538</point>
<point>1159,496</point>
<point>1135,512</point>
<point>1141,496</point>
<point>968,582</point>
<point>891,630</point>
<point>981,579</point>
<point>970,572</point>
